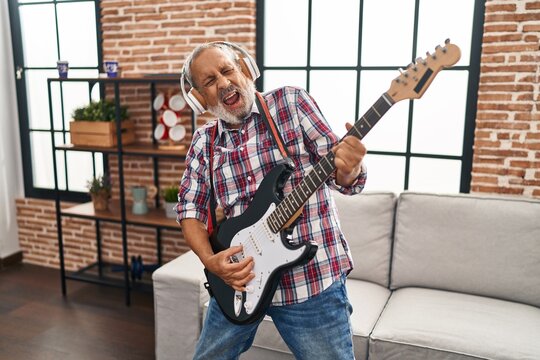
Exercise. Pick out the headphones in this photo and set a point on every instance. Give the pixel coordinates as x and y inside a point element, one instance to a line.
<point>247,64</point>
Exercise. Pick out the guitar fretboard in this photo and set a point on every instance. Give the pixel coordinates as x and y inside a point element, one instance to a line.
<point>295,201</point>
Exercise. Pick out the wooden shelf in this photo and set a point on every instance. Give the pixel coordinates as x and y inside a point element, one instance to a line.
<point>154,217</point>
<point>133,149</point>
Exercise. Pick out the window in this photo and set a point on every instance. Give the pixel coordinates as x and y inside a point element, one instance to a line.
<point>44,32</point>
<point>345,54</point>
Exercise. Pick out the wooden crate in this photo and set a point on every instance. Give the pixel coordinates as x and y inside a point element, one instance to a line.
<point>100,133</point>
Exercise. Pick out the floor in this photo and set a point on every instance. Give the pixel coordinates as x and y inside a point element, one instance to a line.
<point>91,322</point>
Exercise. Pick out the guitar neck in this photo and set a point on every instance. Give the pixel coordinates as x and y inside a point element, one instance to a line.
<point>287,210</point>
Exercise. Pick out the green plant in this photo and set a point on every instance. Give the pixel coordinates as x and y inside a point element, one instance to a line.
<point>170,193</point>
<point>103,110</point>
<point>100,185</point>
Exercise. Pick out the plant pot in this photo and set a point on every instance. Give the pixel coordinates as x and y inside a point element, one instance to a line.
<point>169,209</point>
<point>100,133</point>
<point>100,201</point>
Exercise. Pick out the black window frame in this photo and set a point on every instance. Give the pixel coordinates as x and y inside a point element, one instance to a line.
<point>466,157</point>
<point>24,123</point>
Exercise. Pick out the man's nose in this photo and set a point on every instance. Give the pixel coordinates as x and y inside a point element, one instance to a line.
<point>223,82</point>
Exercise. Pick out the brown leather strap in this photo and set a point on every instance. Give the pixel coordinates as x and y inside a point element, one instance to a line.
<point>265,113</point>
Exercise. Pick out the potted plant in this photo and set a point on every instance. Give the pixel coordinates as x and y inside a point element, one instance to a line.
<point>170,197</point>
<point>100,191</point>
<point>95,125</point>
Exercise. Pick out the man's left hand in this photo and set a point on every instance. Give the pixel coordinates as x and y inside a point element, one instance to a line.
<point>348,158</point>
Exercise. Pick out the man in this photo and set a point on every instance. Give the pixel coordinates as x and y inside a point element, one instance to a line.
<point>310,307</point>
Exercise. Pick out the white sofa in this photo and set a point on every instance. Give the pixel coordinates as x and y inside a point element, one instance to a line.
<point>436,277</point>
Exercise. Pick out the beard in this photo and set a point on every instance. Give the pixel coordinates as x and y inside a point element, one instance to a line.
<point>237,116</point>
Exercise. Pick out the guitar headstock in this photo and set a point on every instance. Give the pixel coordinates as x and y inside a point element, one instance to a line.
<point>416,78</point>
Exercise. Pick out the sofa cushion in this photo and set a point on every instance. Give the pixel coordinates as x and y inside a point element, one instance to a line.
<point>367,223</point>
<point>433,324</point>
<point>368,301</point>
<point>468,243</point>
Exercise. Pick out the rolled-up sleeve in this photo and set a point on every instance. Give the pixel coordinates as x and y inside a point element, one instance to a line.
<point>193,193</point>
<point>320,139</point>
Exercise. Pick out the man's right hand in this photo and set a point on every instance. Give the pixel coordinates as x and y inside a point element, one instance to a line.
<point>235,274</point>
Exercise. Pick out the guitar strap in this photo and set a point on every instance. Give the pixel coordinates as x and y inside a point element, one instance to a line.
<point>267,118</point>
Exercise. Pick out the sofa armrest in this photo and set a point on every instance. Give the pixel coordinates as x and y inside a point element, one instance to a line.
<point>178,298</point>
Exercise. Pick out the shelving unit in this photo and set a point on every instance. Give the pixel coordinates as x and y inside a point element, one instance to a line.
<point>101,272</point>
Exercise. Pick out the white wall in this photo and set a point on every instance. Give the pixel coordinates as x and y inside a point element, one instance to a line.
<point>11,179</point>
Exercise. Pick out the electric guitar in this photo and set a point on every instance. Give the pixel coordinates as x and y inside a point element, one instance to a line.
<point>264,228</point>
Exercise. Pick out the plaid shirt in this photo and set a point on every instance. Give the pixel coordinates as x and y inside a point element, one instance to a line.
<point>243,157</point>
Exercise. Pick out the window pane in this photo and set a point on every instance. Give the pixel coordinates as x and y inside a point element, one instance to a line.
<point>77,33</point>
<point>80,169</point>
<point>388,42</point>
<point>385,173</point>
<point>434,175</point>
<point>76,94</point>
<point>439,20</point>
<point>285,32</point>
<point>334,33</point>
<point>439,117</point>
<point>39,35</point>
<point>38,99</point>
<point>60,162</point>
<point>335,93</point>
<point>274,79</point>
<point>390,133</point>
<point>42,165</point>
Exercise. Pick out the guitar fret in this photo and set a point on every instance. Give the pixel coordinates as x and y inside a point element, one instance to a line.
<point>358,132</point>
<point>384,96</point>
<point>317,174</point>
<point>366,121</point>
<point>308,177</point>
<point>373,107</point>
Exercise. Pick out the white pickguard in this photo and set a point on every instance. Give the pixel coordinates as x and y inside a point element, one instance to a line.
<point>268,253</point>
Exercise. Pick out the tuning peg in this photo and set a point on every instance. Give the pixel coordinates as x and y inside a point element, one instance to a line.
<point>447,41</point>
<point>419,60</point>
<point>402,72</point>
<point>438,48</point>
<point>412,66</point>
<point>428,54</point>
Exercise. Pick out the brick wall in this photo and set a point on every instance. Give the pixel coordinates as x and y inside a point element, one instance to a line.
<point>507,138</point>
<point>145,38</point>
<point>150,38</point>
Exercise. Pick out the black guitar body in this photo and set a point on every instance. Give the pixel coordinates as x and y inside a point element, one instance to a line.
<point>269,193</point>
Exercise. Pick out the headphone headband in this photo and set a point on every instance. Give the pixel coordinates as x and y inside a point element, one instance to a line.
<point>248,66</point>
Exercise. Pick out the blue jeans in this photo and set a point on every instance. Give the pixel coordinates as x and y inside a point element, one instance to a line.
<point>318,328</point>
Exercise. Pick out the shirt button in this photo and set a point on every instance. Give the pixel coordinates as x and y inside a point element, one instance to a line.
<point>241,148</point>
<point>249,178</point>
<point>243,131</point>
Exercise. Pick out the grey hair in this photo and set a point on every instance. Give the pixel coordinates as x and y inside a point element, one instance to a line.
<point>198,50</point>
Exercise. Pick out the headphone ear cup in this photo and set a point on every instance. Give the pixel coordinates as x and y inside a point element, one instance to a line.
<point>196,101</point>
<point>249,68</point>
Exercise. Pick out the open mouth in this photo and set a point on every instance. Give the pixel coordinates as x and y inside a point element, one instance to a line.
<point>231,99</point>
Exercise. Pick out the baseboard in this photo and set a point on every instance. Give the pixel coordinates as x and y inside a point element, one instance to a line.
<point>12,259</point>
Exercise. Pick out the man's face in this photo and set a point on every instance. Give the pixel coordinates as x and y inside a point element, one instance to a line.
<point>226,90</point>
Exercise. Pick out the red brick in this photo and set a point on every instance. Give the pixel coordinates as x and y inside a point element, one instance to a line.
<point>491,8</point>
<point>533,27</point>
<point>512,17</point>
<point>535,5</point>
<point>495,49</point>
<point>509,28</point>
